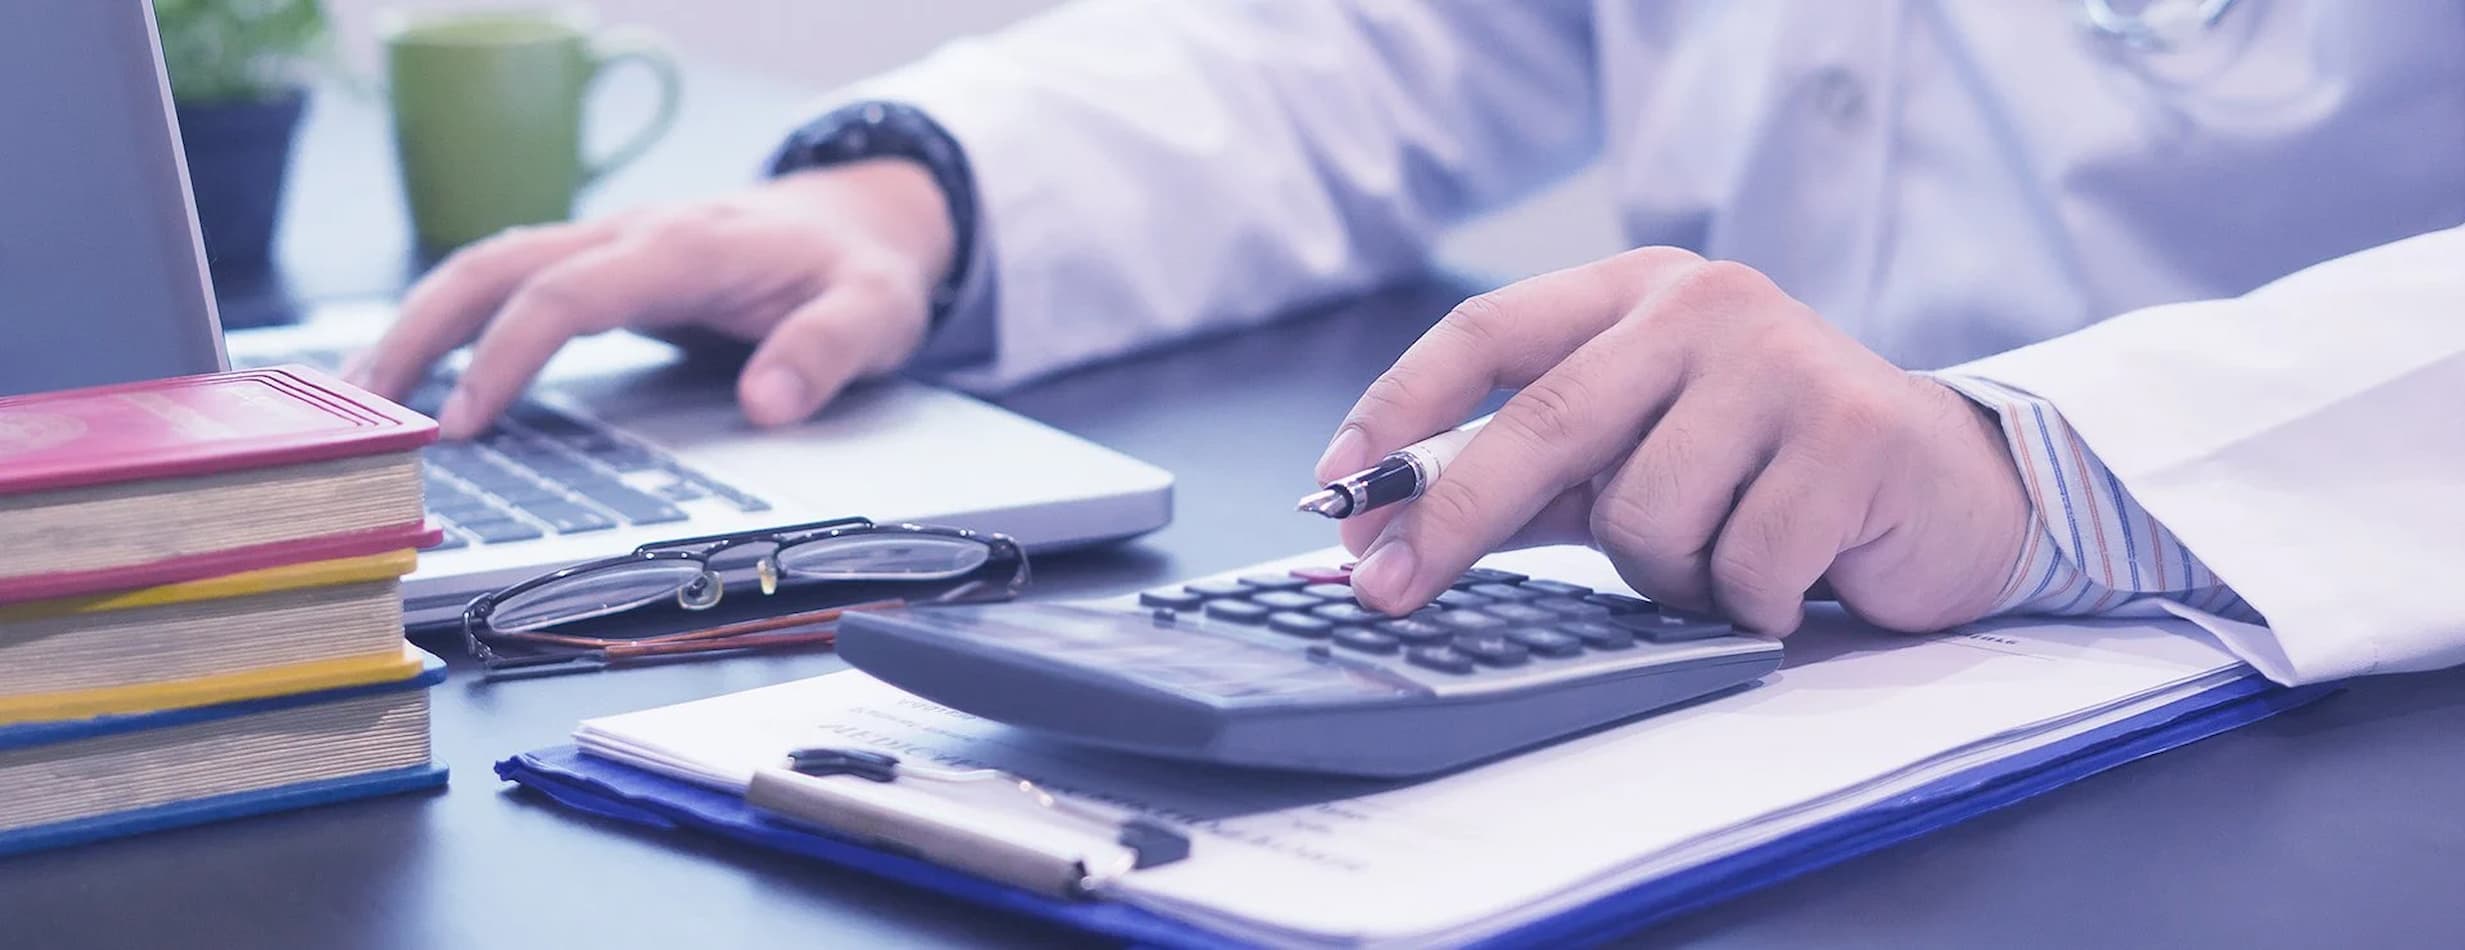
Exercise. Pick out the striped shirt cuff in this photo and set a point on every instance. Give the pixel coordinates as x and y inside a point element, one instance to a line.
<point>2095,550</point>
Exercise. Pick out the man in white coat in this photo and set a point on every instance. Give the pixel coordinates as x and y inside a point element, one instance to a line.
<point>1949,308</point>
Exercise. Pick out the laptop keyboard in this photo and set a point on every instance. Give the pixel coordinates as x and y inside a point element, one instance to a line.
<point>541,471</point>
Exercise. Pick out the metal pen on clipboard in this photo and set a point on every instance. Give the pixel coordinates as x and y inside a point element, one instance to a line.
<point>836,790</point>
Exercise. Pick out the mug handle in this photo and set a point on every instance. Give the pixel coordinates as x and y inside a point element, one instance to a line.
<point>627,45</point>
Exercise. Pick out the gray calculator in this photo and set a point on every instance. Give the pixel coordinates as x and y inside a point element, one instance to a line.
<point>1288,671</point>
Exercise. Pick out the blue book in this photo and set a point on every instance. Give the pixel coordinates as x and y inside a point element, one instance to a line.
<point>609,789</point>
<point>77,781</point>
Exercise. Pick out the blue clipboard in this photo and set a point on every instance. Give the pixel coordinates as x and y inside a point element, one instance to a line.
<point>618,792</point>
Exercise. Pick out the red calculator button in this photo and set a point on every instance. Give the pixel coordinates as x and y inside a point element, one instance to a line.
<point>1325,575</point>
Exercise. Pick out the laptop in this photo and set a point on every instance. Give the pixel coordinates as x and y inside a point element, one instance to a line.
<point>623,441</point>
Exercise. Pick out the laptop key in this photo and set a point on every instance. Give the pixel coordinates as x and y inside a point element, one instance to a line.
<point>501,531</point>
<point>569,518</point>
<point>643,509</point>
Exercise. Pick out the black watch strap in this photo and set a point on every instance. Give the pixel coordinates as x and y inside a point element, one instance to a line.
<point>867,130</point>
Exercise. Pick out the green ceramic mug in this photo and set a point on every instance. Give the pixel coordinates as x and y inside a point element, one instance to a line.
<point>488,116</point>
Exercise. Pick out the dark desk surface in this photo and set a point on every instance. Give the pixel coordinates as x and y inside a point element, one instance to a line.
<point>2335,825</point>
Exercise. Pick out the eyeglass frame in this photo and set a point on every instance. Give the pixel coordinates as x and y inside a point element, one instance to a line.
<point>702,548</point>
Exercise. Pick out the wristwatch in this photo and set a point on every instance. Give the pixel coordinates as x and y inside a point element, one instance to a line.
<point>879,129</point>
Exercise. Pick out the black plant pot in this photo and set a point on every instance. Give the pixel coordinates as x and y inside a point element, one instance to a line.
<point>239,154</point>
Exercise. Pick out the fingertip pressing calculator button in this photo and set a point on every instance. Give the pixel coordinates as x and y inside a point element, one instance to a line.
<point>1217,588</point>
<point>1415,630</point>
<point>1366,641</point>
<point>1556,588</point>
<point>1492,649</point>
<point>1620,603</point>
<point>1174,599</point>
<point>1469,620</point>
<point>1502,592</point>
<point>1285,600</point>
<point>1237,611</point>
<point>1348,613</point>
<point>1324,575</point>
<point>1673,627</point>
<point>1444,659</point>
<point>1299,625</point>
<point>1597,635</point>
<point>1274,582</point>
<point>1571,608</point>
<point>1520,613</point>
<point>1461,600</point>
<point>1547,642</point>
<point>1488,575</point>
<point>1334,592</point>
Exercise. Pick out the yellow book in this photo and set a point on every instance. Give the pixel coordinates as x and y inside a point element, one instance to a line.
<point>306,677</point>
<point>248,635</point>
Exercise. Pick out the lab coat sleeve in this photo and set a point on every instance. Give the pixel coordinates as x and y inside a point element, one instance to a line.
<point>1147,170</point>
<point>2303,441</point>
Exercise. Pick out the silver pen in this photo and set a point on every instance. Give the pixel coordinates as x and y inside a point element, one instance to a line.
<point>1399,477</point>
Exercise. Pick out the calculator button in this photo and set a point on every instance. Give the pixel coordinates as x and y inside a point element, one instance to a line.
<point>1440,658</point>
<point>1415,630</point>
<point>1336,592</point>
<point>1597,635</point>
<point>1461,600</point>
<point>1501,592</point>
<point>1547,642</point>
<point>1299,625</point>
<point>1484,575</point>
<point>1492,649</point>
<point>1366,641</point>
<point>1237,611</point>
<point>1520,613</point>
<point>1172,599</point>
<point>1672,627</point>
<point>1620,603</point>
<point>1324,575</point>
<point>1348,613</point>
<point>1571,608</point>
<point>1556,588</point>
<point>1464,621</point>
<point>1285,600</point>
<point>1275,582</point>
<point>1217,588</point>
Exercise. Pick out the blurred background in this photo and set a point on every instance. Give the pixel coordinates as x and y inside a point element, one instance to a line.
<point>746,63</point>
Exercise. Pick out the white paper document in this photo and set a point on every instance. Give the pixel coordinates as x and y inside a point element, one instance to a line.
<point>1853,717</point>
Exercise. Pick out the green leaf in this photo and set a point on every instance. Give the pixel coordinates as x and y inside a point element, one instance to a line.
<point>224,50</point>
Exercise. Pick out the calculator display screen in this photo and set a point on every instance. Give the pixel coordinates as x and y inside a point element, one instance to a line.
<point>1186,661</point>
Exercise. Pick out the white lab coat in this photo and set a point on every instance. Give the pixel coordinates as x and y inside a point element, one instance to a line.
<point>1950,180</point>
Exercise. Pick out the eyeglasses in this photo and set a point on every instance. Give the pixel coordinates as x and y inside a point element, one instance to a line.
<point>654,601</point>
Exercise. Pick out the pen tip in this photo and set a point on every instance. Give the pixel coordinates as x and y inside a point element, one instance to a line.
<point>1327,501</point>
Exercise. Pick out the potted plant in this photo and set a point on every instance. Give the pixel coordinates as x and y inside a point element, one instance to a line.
<point>238,81</point>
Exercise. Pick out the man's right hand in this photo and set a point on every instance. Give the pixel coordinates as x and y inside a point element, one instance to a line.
<point>831,271</point>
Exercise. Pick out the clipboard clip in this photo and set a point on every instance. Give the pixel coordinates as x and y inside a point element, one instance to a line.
<point>969,835</point>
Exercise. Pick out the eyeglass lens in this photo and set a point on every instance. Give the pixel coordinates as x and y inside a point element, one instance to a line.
<point>615,588</point>
<point>886,557</point>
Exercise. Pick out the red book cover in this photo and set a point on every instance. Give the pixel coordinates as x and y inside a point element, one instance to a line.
<point>199,425</point>
<point>195,425</point>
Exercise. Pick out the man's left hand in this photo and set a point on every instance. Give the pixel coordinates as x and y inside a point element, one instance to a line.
<point>1722,444</point>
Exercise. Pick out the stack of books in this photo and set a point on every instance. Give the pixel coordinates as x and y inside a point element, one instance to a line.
<point>200,609</point>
